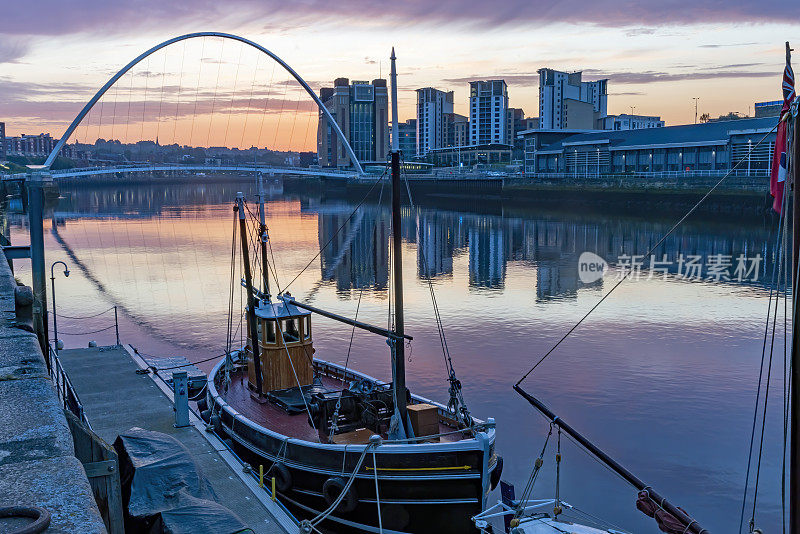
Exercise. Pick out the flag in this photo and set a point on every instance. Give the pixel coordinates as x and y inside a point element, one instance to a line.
<point>777,178</point>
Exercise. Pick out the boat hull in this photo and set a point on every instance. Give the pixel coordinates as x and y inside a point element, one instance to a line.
<point>422,487</point>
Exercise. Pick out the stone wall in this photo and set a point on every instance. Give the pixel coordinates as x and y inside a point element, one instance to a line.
<point>37,462</point>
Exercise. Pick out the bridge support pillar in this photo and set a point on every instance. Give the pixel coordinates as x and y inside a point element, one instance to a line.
<point>34,184</point>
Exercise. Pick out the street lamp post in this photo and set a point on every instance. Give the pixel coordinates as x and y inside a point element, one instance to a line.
<point>53,285</point>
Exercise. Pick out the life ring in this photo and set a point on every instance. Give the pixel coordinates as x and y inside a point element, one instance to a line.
<point>283,478</point>
<point>333,488</point>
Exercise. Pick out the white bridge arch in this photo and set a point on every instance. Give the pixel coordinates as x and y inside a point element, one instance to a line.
<point>89,105</point>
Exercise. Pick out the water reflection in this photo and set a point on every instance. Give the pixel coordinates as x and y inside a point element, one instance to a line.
<point>665,358</point>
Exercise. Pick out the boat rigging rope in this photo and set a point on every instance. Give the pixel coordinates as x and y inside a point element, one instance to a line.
<point>336,233</point>
<point>335,504</point>
<point>649,253</point>
<point>774,287</point>
<point>335,418</point>
<point>456,395</point>
<point>526,493</point>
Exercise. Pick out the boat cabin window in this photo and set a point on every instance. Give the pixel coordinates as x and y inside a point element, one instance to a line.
<point>307,327</point>
<point>270,337</point>
<point>290,330</point>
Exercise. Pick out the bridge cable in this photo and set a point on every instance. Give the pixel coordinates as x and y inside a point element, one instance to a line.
<point>197,89</point>
<point>144,100</point>
<point>233,94</point>
<point>178,95</point>
<point>266,104</point>
<point>647,255</point>
<point>250,100</point>
<point>214,100</point>
<point>161,97</point>
<point>130,100</point>
<point>280,115</point>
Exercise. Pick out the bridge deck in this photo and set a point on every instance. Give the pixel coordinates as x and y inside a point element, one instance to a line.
<point>116,399</point>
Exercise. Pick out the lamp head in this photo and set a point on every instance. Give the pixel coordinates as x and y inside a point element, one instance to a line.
<point>66,273</point>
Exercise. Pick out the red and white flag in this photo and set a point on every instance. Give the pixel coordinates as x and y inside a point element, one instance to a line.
<point>778,172</point>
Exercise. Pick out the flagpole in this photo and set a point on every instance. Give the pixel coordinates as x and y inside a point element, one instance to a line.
<point>794,398</point>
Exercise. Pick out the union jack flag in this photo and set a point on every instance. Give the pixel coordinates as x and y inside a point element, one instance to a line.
<point>777,179</point>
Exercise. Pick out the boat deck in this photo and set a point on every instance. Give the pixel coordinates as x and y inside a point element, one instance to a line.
<point>296,426</point>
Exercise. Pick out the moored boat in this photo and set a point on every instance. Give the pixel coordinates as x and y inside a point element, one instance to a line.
<point>346,451</point>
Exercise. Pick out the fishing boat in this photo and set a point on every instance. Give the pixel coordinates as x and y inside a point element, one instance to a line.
<point>344,450</point>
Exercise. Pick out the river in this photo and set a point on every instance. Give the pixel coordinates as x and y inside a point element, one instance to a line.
<point>662,376</point>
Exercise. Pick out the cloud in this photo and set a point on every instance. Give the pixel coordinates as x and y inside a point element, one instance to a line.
<point>103,17</point>
<point>635,32</point>
<point>726,45</point>
<point>645,77</point>
<point>11,51</point>
<point>59,104</point>
<point>528,78</point>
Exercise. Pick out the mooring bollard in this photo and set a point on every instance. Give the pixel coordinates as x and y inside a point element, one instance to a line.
<point>180,388</point>
<point>260,476</point>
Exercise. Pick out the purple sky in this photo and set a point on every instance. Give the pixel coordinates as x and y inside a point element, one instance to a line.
<point>657,55</point>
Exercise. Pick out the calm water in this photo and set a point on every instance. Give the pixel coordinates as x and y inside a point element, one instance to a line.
<point>662,376</point>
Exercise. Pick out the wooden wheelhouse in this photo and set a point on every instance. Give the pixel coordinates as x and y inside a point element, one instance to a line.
<point>285,348</point>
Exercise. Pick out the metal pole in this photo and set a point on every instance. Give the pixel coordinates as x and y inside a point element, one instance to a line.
<point>264,237</point>
<point>251,301</point>
<point>794,378</point>
<point>36,222</point>
<point>399,363</point>
<point>633,480</point>
<point>55,315</point>
<point>116,324</point>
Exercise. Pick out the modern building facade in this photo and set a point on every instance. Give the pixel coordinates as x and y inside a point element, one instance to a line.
<point>567,102</point>
<point>768,109</point>
<point>488,112</point>
<point>361,109</point>
<point>407,138</point>
<point>456,130</point>
<point>631,122</point>
<point>28,145</point>
<point>713,146</point>
<point>432,106</point>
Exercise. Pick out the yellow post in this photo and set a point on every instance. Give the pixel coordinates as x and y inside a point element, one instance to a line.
<point>273,488</point>
<point>260,476</point>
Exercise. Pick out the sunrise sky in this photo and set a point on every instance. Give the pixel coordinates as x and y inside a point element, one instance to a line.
<point>657,56</point>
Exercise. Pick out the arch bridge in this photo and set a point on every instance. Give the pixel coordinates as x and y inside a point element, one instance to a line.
<point>343,174</point>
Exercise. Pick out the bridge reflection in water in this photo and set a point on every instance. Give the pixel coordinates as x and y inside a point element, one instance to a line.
<point>507,284</point>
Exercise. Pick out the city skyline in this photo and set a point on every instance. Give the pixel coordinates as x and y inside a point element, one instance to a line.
<point>50,69</point>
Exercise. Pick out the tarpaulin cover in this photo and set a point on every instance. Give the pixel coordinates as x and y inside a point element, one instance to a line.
<point>164,490</point>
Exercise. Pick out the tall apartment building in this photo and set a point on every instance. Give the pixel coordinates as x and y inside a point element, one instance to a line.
<point>432,106</point>
<point>361,109</point>
<point>455,130</point>
<point>2,140</point>
<point>567,102</point>
<point>488,112</point>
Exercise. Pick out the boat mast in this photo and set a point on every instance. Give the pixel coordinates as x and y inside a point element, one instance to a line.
<point>264,237</point>
<point>251,301</point>
<point>399,360</point>
<point>794,397</point>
